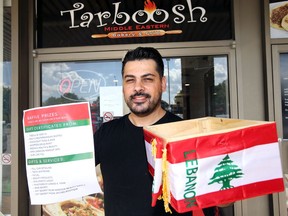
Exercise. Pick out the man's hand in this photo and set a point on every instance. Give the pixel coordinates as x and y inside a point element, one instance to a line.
<point>225,205</point>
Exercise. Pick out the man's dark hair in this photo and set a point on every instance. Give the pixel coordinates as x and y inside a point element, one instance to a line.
<point>147,53</point>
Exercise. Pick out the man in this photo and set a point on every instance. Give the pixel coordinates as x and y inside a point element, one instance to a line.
<point>119,144</point>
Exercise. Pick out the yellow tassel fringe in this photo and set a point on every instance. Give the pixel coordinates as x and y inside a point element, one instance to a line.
<point>165,180</point>
<point>165,183</point>
<point>154,148</point>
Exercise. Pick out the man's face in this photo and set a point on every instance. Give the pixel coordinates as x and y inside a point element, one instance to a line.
<point>142,86</point>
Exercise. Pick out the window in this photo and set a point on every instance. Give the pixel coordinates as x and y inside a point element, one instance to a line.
<point>196,86</point>
<point>5,106</point>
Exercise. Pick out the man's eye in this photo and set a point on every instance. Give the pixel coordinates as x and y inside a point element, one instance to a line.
<point>147,79</point>
<point>129,80</point>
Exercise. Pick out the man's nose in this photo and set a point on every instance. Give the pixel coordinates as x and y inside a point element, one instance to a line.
<point>139,86</point>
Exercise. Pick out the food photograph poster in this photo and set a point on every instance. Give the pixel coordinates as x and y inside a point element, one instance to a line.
<point>279,19</point>
<point>58,146</point>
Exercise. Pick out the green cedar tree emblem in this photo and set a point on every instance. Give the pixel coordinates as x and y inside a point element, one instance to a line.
<point>225,172</point>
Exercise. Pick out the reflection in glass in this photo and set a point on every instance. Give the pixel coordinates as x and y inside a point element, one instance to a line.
<point>5,106</point>
<point>197,86</point>
<point>284,101</point>
<point>70,82</point>
<point>284,92</point>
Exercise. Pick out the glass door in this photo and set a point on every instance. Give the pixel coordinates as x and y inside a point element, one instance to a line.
<point>280,77</point>
<point>198,85</point>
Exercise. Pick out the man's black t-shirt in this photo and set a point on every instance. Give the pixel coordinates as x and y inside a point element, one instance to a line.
<point>120,149</point>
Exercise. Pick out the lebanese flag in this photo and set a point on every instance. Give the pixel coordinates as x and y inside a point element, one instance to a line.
<point>219,168</point>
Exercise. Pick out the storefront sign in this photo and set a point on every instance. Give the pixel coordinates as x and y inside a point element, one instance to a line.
<point>59,152</point>
<point>86,22</point>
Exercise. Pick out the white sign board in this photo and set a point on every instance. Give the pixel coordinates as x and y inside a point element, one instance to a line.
<point>59,150</point>
<point>111,100</point>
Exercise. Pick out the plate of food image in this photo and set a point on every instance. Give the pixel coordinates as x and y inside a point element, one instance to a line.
<point>95,202</point>
<point>70,208</point>
<point>279,19</point>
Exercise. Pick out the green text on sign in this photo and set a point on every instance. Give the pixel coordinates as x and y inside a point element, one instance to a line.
<point>60,159</point>
<point>57,125</point>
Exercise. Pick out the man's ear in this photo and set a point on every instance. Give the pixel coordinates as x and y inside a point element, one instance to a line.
<point>164,83</point>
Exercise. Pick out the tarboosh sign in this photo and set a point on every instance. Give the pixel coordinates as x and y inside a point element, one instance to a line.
<point>86,22</point>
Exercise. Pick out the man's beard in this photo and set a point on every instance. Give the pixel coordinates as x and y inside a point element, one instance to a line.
<point>137,108</point>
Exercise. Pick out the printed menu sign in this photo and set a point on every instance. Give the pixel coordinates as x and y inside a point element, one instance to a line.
<point>59,153</point>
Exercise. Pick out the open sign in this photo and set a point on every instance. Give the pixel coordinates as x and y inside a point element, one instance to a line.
<point>81,85</point>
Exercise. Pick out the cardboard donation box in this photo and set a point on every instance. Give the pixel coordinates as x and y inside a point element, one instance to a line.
<point>211,161</point>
